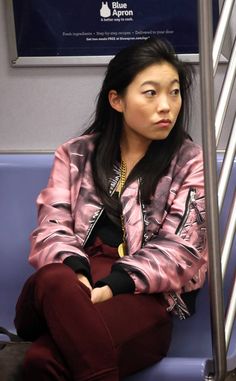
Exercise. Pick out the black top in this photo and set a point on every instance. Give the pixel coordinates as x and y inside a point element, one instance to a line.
<point>112,235</point>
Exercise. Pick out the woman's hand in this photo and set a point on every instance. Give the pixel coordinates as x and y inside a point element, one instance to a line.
<point>82,278</point>
<point>101,294</point>
<point>98,294</point>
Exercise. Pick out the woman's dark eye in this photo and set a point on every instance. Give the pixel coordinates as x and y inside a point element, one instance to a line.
<point>150,93</point>
<point>175,92</point>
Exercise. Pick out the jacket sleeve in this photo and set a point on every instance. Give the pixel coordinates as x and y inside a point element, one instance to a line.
<point>54,239</point>
<point>175,258</point>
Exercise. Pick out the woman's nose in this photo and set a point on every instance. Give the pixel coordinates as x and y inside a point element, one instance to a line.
<point>163,104</point>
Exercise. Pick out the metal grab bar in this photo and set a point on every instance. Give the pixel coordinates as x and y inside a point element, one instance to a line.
<point>225,94</point>
<point>229,237</point>
<point>209,151</point>
<point>226,248</point>
<point>221,32</point>
<point>230,317</point>
<point>227,165</point>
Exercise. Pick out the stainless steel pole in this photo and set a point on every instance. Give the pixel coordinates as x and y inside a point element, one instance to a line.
<point>209,149</point>
<point>227,165</point>
<point>229,238</point>
<point>231,314</point>
<point>225,94</point>
<point>222,26</point>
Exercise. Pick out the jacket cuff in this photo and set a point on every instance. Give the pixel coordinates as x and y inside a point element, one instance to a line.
<point>78,265</point>
<point>119,282</point>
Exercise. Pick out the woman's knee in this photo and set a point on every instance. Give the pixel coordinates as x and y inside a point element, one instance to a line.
<point>52,276</point>
<point>43,361</point>
<point>36,359</point>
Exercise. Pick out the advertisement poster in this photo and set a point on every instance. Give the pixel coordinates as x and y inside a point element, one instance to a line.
<point>101,28</point>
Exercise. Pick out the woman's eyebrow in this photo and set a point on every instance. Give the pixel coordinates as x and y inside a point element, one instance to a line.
<point>156,83</point>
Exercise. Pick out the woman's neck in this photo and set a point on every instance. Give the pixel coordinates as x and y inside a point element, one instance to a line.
<point>132,150</point>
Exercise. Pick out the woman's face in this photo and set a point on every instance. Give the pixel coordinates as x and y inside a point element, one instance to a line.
<point>151,103</point>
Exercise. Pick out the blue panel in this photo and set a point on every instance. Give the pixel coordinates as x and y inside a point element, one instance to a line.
<point>96,28</point>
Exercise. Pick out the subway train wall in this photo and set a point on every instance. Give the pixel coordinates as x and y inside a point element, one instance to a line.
<point>42,107</point>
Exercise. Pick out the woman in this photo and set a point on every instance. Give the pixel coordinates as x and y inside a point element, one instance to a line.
<point>121,240</point>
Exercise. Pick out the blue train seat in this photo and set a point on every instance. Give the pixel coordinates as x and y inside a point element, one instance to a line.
<point>22,176</point>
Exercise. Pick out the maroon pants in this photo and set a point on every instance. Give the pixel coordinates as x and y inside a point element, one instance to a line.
<point>74,339</point>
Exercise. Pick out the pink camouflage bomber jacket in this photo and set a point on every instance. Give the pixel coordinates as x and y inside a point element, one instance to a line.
<point>166,240</point>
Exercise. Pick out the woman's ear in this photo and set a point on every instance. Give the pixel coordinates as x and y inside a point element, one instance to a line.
<point>115,100</point>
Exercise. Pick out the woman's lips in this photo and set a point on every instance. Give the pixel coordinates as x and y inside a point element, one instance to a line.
<point>164,123</point>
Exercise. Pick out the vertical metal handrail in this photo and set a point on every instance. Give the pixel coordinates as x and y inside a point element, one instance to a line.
<point>209,151</point>
<point>229,237</point>
<point>230,316</point>
<point>226,251</point>
<point>227,165</point>
<point>221,32</point>
<point>225,93</point>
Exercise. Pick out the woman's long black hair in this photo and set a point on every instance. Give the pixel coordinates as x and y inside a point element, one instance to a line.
<point>108,123</point>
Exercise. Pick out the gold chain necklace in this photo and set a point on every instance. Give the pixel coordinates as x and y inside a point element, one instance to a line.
<point>123,172</point>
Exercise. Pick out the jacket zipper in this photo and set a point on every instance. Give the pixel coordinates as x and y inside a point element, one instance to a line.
<point>95,218</point>
<point>190,202</point>
<point>98,214</point>
<point>180,308</point>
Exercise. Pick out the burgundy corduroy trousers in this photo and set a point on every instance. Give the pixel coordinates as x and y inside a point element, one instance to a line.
<point>75,340</point>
